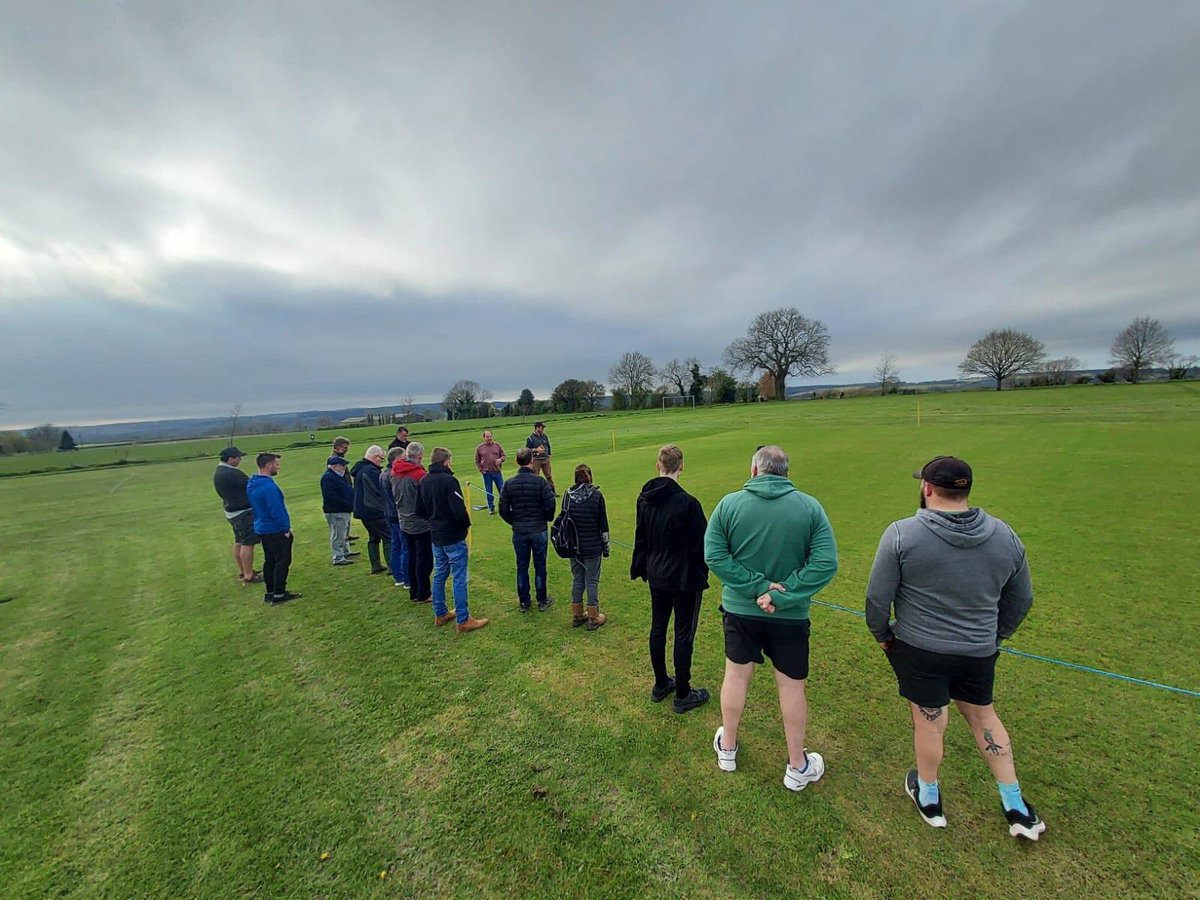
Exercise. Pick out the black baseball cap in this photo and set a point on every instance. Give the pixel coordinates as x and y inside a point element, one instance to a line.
<point>336,460</point>
<point>230,452</point>
<point>947,472</point>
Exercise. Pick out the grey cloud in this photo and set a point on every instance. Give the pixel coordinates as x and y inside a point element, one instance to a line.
<point>623,176</point>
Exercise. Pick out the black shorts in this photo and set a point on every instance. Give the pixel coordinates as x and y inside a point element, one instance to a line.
<point>243,529</point>
<point>785,641</point>
<point>934,679</point>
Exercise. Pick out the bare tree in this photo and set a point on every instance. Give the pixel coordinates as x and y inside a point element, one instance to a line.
<point>235,413</point>
<point>782,342</point>
<point>1059,371</point>
<point>678,373</point>
<point>407,406</point>
<point>42,438</point>
<point>1142,344</point>
<point>886,373</point>
<point>464,399</point>
<point>633,373</point>
<point>1003,354</point>
<point>1179,365</point>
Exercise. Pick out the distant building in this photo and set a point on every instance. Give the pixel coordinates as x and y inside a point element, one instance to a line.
<point>353,420</point>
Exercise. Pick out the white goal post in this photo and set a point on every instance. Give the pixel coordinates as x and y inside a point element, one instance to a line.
<point>684,401</point>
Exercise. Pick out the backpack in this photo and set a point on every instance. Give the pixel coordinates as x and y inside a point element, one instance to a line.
<point>563,534</point>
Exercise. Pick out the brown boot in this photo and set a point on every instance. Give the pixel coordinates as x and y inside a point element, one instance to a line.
<point>439,621</point>
<point>577,616</point>
<point>470,625</point>
<point>595,618</point>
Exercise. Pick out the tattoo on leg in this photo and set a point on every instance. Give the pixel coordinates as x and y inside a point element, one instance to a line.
<point>992,747</point>
<point>931,713</point>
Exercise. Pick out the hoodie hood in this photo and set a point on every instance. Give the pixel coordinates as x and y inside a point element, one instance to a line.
<point>402,468</point>
<point>770,487</point>
<point>362,464</point>
<point>581,492</point>
<point>658,491</point>
<point>959,529</point>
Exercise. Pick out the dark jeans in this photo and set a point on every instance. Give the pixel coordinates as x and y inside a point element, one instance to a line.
<point>378,534</point>
<point>686,608</point>
<point>527,545</point>
<point>398,558</point>
<point>277,559</point>
<point>420,565</point>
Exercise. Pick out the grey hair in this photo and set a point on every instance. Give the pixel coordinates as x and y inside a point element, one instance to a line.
<point>415,449</point>
<point>771,460</point>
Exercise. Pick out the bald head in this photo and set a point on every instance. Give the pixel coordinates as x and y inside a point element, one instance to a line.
<point>769,460</point>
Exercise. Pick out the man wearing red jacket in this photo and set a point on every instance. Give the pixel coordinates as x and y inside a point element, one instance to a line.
<point>407,473</point>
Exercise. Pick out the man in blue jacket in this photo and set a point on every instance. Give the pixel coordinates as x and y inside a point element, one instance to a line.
<point>338,503</point>
<point>273,527</point>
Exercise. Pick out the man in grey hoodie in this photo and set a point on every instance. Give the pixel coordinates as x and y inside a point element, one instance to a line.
<point>959,583</point>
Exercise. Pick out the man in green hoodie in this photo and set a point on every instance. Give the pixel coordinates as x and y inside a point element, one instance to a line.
<point>773,549</point>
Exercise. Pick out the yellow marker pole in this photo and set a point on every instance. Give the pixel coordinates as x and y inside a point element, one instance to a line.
<point>467,500</point>
<point>614,441</point>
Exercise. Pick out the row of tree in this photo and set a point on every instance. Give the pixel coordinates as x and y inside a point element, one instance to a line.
<point>41,439</point>
<point>1005,353</point>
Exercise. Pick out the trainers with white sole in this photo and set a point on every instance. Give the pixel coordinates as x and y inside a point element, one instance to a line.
<point>726,759</point>
<point>1027,825</point>
<point>796,780</point>
<point>931,813</point>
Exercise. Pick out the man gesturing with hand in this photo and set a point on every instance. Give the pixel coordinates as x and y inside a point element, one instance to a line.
<point>773,548</point>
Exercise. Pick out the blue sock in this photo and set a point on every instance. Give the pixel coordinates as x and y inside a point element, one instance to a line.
<point>1010,796</point>
<point>804,768</point>
<point>927,793</point>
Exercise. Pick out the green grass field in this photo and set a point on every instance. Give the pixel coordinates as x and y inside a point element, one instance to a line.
<point>165,734</point>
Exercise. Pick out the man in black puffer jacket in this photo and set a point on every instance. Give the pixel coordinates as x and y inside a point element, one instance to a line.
<point>668,552</point>
<point>369,507</point>
<point>527,504</point>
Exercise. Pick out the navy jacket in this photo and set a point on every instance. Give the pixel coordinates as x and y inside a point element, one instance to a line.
<point>368,495</point>
<point>336,493</point>
<point>527,502</point>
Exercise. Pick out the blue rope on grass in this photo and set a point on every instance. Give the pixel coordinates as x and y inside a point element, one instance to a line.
<point>1046,659</point>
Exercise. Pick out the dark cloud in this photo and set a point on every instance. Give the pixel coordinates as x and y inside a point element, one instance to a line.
<point>230,201</point>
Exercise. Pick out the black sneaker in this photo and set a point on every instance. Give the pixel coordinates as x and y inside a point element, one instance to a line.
<point>353,553</point>
<point>378,570</point>
<point>659,694</point>
<point>542,607</point>
<point>523,607</point>
<point>268,597</point>
<point>1026,825</point>
<point>696,697</point>
<point>932,813</point>
<point>352,538</point>
<point>285,597</point>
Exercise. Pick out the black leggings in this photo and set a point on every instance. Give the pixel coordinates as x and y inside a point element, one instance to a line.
<point>420,565</point>
<point>686,607</point>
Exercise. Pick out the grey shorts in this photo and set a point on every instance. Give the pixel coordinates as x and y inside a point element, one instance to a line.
<point>243,529</point>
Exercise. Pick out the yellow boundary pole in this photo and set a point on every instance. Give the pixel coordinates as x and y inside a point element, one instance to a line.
<point>467,500</point>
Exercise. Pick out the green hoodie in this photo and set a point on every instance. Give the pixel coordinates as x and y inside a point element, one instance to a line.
<point>770,532</point>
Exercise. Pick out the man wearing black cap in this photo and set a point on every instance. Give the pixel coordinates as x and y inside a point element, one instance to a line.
<point>337,501</point>
<point>230,482</point>
<point>959,584</point>
<point>539,445</point>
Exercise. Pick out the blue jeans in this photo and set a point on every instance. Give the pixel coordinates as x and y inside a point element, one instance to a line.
<point>398,559</point>
<point>526,545</point>
<point>447,560</point>
<point>492,482</point>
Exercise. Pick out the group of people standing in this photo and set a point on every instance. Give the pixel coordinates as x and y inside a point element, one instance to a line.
<point>946,587</point>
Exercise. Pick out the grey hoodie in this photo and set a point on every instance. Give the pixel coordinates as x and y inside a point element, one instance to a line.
<point>959,583</point>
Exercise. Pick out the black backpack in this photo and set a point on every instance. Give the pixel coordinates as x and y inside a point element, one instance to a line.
<point>563,533</point>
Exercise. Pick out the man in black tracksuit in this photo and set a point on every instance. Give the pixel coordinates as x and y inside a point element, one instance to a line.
<point>527,504</point>
<point>369,507</point>
<point>668,552</point>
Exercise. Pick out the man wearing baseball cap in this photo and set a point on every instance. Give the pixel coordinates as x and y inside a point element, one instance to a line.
<point>230,482</point>
<point>958,583</point>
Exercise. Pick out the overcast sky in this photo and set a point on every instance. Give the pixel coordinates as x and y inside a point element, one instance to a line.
<point>298,205</point>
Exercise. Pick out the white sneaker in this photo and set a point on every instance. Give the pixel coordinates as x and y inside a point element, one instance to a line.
<point>795,780</point>
<point>726,759</point>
